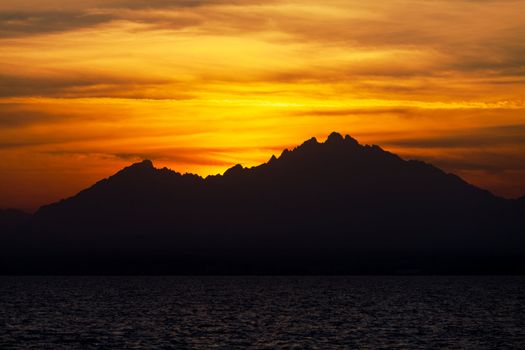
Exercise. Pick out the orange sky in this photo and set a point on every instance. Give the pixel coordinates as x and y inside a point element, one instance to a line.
<point>86,87</point>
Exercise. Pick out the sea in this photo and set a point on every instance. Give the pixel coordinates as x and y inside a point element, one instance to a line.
<point>270,312</point>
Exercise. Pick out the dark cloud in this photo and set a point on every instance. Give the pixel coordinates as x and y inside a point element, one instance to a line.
<point>14,115</point>
<point>207,156</point>
<point>13,24</point>
<point>166,4</point>
<point>184,156</point>
<point>31,18</point>
<point>355,111</point>
<point>501,56</point>
<point>37,141</point>
<point>12,85</point>
<point>84,85</point>
<point>513,135</point>
<point>493,162</point>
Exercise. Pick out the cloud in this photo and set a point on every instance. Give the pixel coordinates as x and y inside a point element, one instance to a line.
<point>167,4</point>
<point>502,135</point>
<point>178,156</point>
<point>354,111</point>
<point>493,162</point>
<point>14,24</point>
<point>87,85</point>
<point>13,115</point>
<point>207,156</point>
<point>32,17</point>
<point>337,42</point>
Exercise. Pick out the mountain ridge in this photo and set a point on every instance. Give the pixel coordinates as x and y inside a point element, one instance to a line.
<point>334,206</point>
<point>334,138</point>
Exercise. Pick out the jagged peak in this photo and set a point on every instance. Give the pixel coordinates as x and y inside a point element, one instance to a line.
<point>311,141</point>
<point>236,169</point>
<point>284,153</point>
<point>350,139</point>
<point>146,164</point>
<point>334,137</point>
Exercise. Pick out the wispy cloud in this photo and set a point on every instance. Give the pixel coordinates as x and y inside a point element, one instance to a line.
<point>501,135</point>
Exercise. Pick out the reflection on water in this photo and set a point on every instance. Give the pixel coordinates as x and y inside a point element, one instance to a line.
<point>262,312</point>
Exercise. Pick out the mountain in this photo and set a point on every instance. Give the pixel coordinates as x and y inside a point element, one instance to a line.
<point>332,207</point>
<point>12,218</point>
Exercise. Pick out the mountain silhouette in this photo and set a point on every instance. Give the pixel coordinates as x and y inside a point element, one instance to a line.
<point>331,207</point>
<point>12,218</point>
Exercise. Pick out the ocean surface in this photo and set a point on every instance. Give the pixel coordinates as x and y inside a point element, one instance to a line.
<point>262,312</point>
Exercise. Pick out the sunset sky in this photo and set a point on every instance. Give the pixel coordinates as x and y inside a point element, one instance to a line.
<point>87,87</point>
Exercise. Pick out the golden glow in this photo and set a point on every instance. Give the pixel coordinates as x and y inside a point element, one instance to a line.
<point>88,87</point>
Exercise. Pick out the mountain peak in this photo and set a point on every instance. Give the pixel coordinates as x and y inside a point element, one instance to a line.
<point>235,170</point>
<point>136,169</point>
<point>312,140</point>
<point>334,137</point>
<point>146,163</point>
<point>350,139</point>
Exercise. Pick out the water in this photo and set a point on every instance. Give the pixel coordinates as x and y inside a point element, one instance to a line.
<point>262,312</point>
